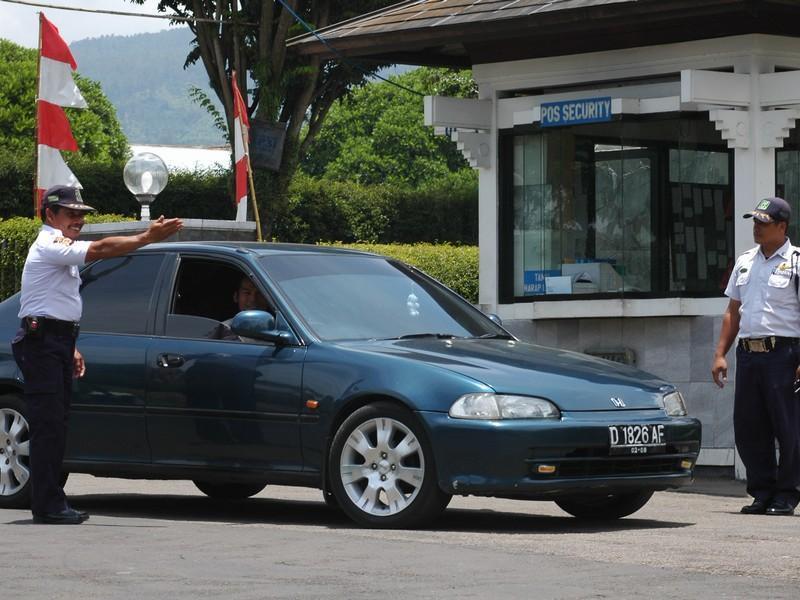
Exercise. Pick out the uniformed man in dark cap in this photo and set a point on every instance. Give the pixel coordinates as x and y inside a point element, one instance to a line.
<point>45,345</point>
<point>764,311</point>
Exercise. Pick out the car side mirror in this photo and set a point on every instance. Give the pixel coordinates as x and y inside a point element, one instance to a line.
<point>260,325</point>
<point>496,319</point>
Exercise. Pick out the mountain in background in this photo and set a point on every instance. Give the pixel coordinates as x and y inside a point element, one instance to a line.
<point>143,76</point>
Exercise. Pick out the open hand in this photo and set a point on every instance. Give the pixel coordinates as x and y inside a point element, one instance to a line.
<point>162,228</point>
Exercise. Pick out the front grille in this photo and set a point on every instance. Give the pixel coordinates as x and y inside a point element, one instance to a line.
<point>618,466</point>
<point>595,461</point>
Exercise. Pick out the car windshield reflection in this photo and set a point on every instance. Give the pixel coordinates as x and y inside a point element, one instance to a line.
<point>350,297</point>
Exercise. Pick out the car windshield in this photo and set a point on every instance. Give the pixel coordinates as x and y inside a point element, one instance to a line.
<point>351,297</point>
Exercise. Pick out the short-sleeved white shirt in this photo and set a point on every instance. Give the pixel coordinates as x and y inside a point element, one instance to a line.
<point>50,279</point>
<point>766,289</point>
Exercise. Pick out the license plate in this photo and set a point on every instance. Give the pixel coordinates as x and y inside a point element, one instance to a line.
<point>637,439</point>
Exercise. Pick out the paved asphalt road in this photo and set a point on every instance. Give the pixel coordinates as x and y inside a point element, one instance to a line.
<point>166,540</point>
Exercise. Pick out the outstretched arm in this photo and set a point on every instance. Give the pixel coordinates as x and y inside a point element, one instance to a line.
<point>109,247</point>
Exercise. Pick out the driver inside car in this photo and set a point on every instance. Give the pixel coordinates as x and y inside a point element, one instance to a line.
<point>246,297</point>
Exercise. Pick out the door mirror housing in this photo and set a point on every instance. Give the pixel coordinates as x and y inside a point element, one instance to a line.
<point>496,319</point>
<point>260,325</point>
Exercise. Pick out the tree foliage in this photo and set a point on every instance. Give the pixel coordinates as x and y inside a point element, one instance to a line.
<point>289,89</point>
<point>375,134</point>
<point>95,128</point>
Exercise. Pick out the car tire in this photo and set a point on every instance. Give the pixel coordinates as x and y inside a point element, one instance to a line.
<point>230,490</point>
<point>15,480</point>
<point>382,471</point>
<point>330,500</point>
<point>605,507</point>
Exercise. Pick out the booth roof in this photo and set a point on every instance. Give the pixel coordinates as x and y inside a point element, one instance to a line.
<point>466,32</point>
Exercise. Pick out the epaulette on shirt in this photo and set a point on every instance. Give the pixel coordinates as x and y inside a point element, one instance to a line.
<point>64,241</point>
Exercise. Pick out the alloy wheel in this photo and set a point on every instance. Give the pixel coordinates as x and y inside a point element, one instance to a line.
<point>382,467</point>
<point>14,452</point>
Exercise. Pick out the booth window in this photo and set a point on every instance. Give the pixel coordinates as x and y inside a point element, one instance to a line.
<point>635,207</point>
<point>787,180</point>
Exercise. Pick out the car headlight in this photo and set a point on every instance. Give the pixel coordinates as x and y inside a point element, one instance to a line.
<point>673,404</point>
<point>496,406</point>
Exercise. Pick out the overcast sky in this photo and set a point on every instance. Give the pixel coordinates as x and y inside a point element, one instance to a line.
<point>20,24</point>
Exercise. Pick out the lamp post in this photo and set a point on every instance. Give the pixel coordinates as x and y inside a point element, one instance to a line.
<point>145,177</point>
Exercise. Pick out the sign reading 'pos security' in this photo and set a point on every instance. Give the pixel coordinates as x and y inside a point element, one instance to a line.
<point>574,112</point>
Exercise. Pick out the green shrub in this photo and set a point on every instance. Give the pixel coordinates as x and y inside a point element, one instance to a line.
<point>454,266</point>
<point>319,209</point>
<point>16,236</point>
<point>196,195</point>
<point>324,210</point>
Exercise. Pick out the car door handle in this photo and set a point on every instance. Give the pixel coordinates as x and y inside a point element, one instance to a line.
<point>167,361</point>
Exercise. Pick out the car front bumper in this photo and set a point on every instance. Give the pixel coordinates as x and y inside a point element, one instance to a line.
<point>506,458</point>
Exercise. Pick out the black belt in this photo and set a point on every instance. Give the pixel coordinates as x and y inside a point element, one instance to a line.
<point>42,325</point>
<point>766,344</point>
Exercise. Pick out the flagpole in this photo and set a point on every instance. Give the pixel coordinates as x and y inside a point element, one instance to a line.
<point>252,189</point>
<point>36,125</point>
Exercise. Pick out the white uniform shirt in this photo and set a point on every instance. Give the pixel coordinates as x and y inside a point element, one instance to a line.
<point>50,279</point>
<point>766,289</point>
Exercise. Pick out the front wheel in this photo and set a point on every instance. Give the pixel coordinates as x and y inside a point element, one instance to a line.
<point>229,491</point>
<point>382,469</point>
<point>15,464</point>
<point>606,506</point>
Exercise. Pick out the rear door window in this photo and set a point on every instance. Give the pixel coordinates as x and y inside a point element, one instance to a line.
<point>118,294</point>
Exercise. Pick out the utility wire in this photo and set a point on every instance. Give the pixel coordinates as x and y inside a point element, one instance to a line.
<point>341,56</point>
<point>127,14</point>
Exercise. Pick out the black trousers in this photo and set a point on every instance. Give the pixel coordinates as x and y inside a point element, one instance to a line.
<point>46,362</point>
<point>767,409</point>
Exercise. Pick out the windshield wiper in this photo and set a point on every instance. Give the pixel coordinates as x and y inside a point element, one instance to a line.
<point>493,336</point>
<point>438,336</point>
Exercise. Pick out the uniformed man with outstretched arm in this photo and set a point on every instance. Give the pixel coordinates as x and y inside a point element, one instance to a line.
<point>764,311</point>
<point>45,347</point>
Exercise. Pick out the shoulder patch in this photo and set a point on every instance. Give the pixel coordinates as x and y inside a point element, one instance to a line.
<point>64,241</point>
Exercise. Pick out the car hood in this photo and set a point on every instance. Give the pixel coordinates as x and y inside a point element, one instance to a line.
<point>573,381</point>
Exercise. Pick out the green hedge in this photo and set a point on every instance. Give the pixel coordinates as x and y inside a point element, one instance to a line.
<point>454,266</point>
<point>319,210</point>
<point>324,210</point>
<point>198,195</point>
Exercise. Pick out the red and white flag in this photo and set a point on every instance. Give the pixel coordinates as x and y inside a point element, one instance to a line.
<point>56,90</point>
<point>241,125</point>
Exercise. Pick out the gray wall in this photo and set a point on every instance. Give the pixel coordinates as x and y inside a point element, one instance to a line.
<point>194,230</point>
<point>677,349</point>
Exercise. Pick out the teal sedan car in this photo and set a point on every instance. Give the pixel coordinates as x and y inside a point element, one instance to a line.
<point>355,374</point>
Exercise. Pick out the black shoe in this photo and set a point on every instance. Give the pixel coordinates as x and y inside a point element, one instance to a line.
<point>83,514</point>
<point>65,517</point>
<point>758,507</point>
<point>780,508</point>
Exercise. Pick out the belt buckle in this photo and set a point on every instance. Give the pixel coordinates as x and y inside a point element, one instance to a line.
<point>757,345</point>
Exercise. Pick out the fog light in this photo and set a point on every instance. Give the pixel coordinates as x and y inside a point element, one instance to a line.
<point>546,469</point>
<point>686,464</point>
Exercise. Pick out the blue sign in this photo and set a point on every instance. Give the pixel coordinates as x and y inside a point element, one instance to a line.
<point>575,112</point>
<point>534,283</point>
